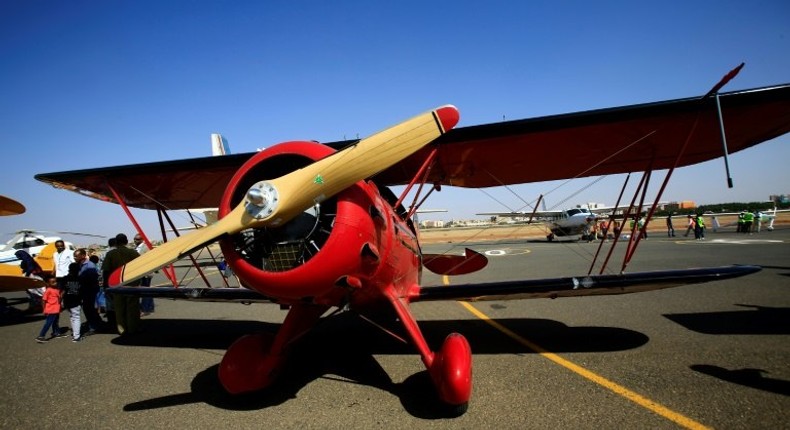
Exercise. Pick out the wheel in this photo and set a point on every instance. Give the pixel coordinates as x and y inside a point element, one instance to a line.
<point>452,373</point>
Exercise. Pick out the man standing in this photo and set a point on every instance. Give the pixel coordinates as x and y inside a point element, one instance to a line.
<point>88,277</point>
<point>109,308</point>
<point>127,308</point>
<point>62,258</point>
<point>699,227</point>
<point>146,303</point>
<point>670,228</point>
<point>748,219</point>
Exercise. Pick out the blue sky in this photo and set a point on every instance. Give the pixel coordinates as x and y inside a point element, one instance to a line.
<point>103,83</point>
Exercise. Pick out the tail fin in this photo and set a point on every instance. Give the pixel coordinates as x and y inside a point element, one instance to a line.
<point>772,218</point>
<point>219,145</point>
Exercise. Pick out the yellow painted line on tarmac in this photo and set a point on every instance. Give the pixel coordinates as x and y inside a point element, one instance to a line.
<point>600,380</point>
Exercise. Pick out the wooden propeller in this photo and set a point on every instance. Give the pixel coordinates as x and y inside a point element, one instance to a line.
<point>275,202</point>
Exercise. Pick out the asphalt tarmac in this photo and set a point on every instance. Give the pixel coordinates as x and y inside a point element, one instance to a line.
<point>711,355</point>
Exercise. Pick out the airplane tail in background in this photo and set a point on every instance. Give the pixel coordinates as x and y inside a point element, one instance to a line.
<point>219,145</point>
<point>771,218</point>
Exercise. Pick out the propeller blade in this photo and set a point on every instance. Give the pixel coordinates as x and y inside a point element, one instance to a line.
<point>275,202</point>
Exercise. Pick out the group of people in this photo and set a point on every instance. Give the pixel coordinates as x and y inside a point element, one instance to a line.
<point>599,230</point>
<point>78,284</point>
<point>696,224</point>
<point>749,222</point>
<point>73,286</point>
<point>593,230</point>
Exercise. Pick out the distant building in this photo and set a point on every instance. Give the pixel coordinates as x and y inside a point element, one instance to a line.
<point>684,204</point>
<point>431,224</point>
<point>781,198</point>
<point>469,223</point>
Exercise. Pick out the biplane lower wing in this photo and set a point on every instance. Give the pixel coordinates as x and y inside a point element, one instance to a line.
<point>242,295</point>
<point>581,285</point>
<point>508,290</point>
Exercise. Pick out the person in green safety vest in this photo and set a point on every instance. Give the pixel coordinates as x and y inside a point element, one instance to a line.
<point>748,219</point>
<point>699,227</point>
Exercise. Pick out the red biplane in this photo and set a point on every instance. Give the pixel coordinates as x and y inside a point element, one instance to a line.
<point>313,227</point>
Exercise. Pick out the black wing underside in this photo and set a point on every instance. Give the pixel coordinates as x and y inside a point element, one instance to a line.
<point>203,294</point>
<point>597,285</point>
<point>508,290</point>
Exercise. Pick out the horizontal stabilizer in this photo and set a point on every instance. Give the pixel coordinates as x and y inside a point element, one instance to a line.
<point>582,285</point>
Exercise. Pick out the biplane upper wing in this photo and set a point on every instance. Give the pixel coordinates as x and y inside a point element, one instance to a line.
<point>601,142</point>
<point>606,141</point>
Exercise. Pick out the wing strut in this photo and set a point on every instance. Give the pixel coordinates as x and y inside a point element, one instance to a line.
<point>421,175</point>
<point>162,213</point>
<point>636,231</point>
<point>608,228</point>
<point>625,218</point>
<point>535,209</point>
<point>724,144</point>
<point>715,90</point>
<point>170,275</point>
<point>635,238</point>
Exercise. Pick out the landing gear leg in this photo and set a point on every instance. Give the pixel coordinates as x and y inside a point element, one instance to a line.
<point>253,361</point>
<point>450,368</point>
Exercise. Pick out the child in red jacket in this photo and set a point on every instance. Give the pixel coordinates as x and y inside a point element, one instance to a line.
<point>51,303</point>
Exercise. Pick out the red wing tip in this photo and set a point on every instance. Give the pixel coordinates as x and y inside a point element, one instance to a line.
<point>116,277</point>
<point>449,116</point>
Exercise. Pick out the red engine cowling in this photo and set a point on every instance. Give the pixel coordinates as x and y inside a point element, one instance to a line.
<point>311,258</point>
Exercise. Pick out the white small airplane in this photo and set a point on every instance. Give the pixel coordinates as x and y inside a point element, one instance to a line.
<point>29,241</point>
<point>571,222</point>
<point>766,219</point>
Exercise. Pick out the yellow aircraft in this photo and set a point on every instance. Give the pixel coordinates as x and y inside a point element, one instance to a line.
<point>11,276</point>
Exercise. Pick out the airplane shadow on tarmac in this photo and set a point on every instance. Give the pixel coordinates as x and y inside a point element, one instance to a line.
<point>343,348</point>
<point>747,377</point>
<point>754,320</point>
<point>11,315</point>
